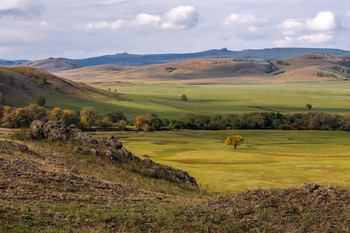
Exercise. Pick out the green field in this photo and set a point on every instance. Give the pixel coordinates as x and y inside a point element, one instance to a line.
<point>164,99</point>
<point>267,159</point>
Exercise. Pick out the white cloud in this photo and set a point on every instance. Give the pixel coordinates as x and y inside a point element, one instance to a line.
<point>105,25</point>
<point>320,29</point>
<point>316,38</point>
<point>348,14</point>
<point>181,17</point>
<point>292,26</point>
<point>146,20</point>
<point>324,21</point>
<point>44,24</point>
<point>9,4</point>
<point>117,24</point>
<point>248,23</point>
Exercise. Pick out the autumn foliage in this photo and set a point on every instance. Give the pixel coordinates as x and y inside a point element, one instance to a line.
<point>234,140</point>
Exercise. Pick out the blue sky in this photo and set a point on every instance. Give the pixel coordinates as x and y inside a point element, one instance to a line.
<point>35,29</point>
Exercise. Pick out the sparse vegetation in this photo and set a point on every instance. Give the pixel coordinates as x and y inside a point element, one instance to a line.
<point>314,57</point>
<point>54,87</point>
<point>171,69</point>
<point>308,107</point>
<point>328,75</point>
<point>279,72</point>
<point>40,100</point>
<point>283,63</point>
<point>270,67</point>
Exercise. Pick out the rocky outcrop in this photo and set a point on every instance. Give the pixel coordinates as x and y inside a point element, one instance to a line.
<point>58,131</point>
<point>110,148</point>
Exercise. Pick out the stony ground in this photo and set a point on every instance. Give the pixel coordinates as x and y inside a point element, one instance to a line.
<point>47,186</point>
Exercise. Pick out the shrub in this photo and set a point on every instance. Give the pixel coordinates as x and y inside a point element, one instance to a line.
<point>40,100</point>
<point>184,98</point>
<point>171,69</point>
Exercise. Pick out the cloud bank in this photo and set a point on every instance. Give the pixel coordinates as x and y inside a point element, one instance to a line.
<point>320,29</point>
<point>181,17</point>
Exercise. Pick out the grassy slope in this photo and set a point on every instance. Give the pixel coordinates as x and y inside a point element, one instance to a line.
<point>218,71</point>
<point>63,191</point>
<point>69,94</point>
<point>267,159</point>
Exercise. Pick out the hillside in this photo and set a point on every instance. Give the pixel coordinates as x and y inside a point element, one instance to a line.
<point>11,63</point>
<point>125,59</point>
<point>306,68</point>
<point>53,64</point>
<point>53,186</point>
<point>20,86</point>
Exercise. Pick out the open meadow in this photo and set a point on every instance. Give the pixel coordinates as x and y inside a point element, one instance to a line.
<point>267,159</point>
<point>164,99</point>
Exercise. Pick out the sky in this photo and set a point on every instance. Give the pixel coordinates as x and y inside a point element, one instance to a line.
<point>37,29</point>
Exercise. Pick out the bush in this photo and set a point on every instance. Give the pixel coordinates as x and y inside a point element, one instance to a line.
<point>184,98</point>
<point>40,100</point>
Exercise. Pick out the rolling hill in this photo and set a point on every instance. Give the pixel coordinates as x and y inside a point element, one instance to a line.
<point>306,68</point>
<point>125,59</point>
<point>53,64</point>
<point>20,86</point>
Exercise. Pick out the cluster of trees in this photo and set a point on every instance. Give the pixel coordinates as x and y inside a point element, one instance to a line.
<point>265,120</point>
<point>150,122</point>
<point>22,117</point>
<point>328,75</point>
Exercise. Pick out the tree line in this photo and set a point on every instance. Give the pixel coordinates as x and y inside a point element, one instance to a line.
<point>88,117</point>
<point>13,117</point>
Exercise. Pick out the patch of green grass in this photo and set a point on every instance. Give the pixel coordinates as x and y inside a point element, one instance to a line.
<point>163,99</point>
<point>267,159</point>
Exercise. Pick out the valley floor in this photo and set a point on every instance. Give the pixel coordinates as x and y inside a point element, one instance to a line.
<point>50,188</point>
<point>267,159</point>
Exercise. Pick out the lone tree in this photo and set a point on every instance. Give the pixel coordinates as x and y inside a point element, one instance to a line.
<point>308,106</point>
<point>40,100</point>
<point>184,98</point>
<point>234,140</point>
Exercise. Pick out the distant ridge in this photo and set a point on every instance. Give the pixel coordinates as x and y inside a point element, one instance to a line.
<point>9,63</point>
<point>53,64</point>
<point>125,59</point>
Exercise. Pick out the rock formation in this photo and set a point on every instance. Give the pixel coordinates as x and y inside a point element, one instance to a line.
<point>110,148</point>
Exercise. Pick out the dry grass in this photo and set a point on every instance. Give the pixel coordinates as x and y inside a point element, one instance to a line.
<point>205,71</point>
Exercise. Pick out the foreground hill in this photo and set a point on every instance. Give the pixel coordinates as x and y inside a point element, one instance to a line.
<point>20,85</point>
<point>125,59</point>
<point>53,64</point>
<point>52,186</point>
<point>306,68</point>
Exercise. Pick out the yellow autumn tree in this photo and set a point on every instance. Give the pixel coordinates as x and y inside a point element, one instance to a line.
<point>139,122</point>
<point>56,114</point>
<point>68,117</point>
<point>88,116</point>
<point>234,140</point>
